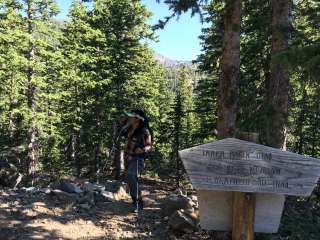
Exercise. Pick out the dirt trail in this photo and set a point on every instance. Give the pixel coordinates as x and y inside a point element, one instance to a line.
<point>37,215</point>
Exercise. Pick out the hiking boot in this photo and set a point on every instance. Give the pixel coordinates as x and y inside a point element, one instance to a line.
<point>138,206</point>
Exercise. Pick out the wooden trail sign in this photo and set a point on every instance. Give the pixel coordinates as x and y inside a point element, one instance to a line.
<point>218,169</point>
<point>236,165</point>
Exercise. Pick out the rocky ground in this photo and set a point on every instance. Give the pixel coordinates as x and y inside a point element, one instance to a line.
<point>82,210</point>
<point>71,209</point>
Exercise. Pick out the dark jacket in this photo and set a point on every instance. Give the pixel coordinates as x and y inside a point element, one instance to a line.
<point>140,139</point>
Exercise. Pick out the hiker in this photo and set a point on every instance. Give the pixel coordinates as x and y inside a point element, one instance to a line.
<point>137,147</point>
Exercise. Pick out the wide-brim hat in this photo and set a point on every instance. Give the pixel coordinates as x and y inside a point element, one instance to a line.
<point>133,114</point>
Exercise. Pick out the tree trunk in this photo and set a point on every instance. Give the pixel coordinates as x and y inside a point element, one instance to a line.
<point>11,126</point>
<point>230,70</point>
<point>117,161</point>
<point>119,105</point>
<point>74,152</point>
<point>32,156</point>
<point>177,133</point>
<point>267,72</point>
<point>301,121</point>
<point>76,134</point>
<point>278,87</point>
<point>116,156</point>
<point>315,127</point>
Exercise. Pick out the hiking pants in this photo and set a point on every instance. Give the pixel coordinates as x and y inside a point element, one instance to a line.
<point>132,177</point>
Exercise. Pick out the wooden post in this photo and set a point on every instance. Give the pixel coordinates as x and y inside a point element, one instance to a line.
<point>243,210</point>
<point>243,216</point>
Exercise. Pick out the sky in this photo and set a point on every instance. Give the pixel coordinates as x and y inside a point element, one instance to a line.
<point>179,39</point>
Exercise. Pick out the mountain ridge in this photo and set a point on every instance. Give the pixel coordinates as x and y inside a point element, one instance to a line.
<point>168,62</point>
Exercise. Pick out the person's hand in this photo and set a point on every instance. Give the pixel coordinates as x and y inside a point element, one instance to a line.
<point>139,151</point>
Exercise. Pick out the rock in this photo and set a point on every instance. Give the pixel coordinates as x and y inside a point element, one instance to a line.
<point>193,214</point>
<point>194,198</point>
<point>87,198</point>
<point>90,187</point>
<point>194,201</point>
<point>54,185</point>
<point>30,189</point>
<point>70,206</point>
<point>18,180</point>
<point>46,190</point>
<point>118,189</point>
<point>44,179</point>
<point>64,196</point>
<point>181,222</point>
<point>145,192</point>
<point>219,235</point>
<point>85,206</point>
<point>172,237</point>
<point>69,187</point>
<point>28,205</point>
<point>107,196</point>
<point>13,155</point>
<point>178,191</point>
<point>194,204</point>
<point>38,204</point>
<point>14,211</point>
<point>29,213</point>
<point>9,174</point>
<point>13,193</point>
<point>175,202</point>
<point>148,202</point>
<point>98,197</point>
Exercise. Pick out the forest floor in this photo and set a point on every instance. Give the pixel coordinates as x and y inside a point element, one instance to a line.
<point>32,215</point>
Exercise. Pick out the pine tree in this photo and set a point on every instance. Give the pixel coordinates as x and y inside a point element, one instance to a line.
<point>84,50</point>
<point>230,60</point>
<point>12,79</point>
<point>208,63</point>
<point>162,122</point>
<point>33,53</point>
<point>255,65</point>
<point>304,108</point>
<point>305,48</point>
<point>230,70</point>
<point>182,119</point>
<point>278,86</point>
<point>38,15</point>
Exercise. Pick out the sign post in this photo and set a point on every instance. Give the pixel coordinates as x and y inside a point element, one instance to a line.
<point>261,175</point>
<point>244,205</point>
<point>243,216</point>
